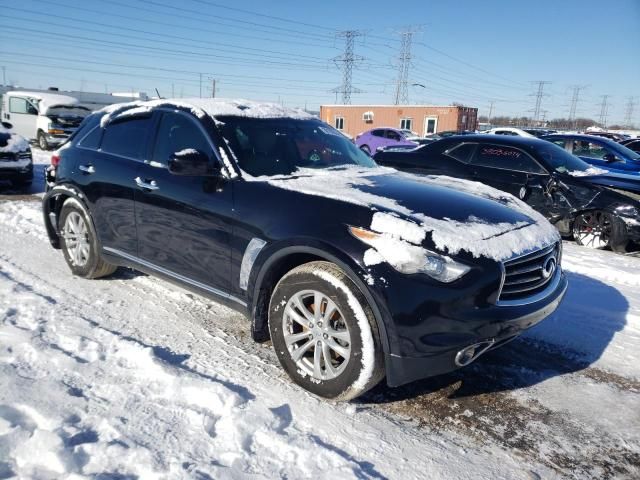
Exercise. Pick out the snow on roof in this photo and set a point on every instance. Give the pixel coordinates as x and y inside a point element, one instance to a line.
<point>47,100</point>
<point>213,107</point>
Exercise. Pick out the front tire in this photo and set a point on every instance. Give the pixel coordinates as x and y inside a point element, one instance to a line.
<point>600,230</point>
<point>324,332</point>
<point>42,141</point>
<point>80,244</point>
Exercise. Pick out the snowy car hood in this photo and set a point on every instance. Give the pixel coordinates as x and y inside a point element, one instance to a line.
<point>454,215</point>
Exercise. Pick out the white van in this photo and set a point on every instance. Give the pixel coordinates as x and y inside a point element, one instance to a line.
<point>47,118</point>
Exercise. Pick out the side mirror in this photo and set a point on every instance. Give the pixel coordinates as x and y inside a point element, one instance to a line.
<point>7,125</point>
<point>609,158</point>
<point>194,163</point>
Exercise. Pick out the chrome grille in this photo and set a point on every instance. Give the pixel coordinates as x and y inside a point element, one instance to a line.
<point>529,274</point>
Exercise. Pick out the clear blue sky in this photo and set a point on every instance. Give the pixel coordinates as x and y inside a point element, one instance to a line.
<point>467,51</point>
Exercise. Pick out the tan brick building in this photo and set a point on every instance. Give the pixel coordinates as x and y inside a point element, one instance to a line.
<point>422,119</point>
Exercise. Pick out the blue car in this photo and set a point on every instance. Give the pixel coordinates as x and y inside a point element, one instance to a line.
<point>599,151</point>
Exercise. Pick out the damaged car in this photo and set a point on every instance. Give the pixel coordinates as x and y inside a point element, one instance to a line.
<point>355,272</point>
<point>598,208</point>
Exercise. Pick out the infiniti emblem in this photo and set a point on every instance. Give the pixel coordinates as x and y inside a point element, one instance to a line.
<point>548,267</point>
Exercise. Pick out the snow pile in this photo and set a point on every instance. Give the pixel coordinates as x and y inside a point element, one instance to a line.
<point>15,143</point>
<point>210,106</point>
<point>589,172</point>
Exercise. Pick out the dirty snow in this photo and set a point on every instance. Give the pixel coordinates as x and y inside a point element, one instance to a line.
<point>133,377</point>
<point>589,172</point>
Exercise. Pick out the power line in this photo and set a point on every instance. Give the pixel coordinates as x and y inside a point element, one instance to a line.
<point>404,61</point>
<point>347,61</point>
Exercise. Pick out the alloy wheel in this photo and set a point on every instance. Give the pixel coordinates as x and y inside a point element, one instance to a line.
<point>593,229</point>
<point>316,335</point>
<point>76,238</point>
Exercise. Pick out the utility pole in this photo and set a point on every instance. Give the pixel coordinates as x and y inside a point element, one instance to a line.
<point>213,88</point>
<point>200,85</point>
<point>491,104</point>
<point>404,61</point>
<point>628,113</point>
<point>604,110</point>
<point>574,103</point>
<point>173,87</point>
<point>4,75</point>
<point>539,95</point>
<point>346,61</point>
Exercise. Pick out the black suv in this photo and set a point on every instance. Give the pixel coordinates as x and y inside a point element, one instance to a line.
<point>355,272</point>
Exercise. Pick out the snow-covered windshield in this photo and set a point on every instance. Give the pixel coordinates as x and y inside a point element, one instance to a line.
<point>281,146</point>
<point>558,159</point>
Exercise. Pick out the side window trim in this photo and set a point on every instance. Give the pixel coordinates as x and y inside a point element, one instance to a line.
<point>543,172</point>
<point>79,144</point>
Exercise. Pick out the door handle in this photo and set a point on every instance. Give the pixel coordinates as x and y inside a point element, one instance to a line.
<point>151,185</point>
<point>87,169</point>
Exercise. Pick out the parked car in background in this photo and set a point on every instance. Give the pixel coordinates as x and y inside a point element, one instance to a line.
<point>355,272</point>
<point>632,144</point>
<point>539,132</point>
<point>509,131</point>
<point>16,163</point>
<point>616,137</point>
<point>598,209</point>
<point>599,151</point>
<point>47,118</point>
<point>372,140</point>
<point>448,133</point>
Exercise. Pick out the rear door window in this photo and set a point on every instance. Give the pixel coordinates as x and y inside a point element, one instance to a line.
<point>505,158</point>
<point>127,138</point>
<point>461,152</point>
<point>377,133</point>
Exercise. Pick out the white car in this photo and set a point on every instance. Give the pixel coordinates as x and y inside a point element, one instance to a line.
<point>516,132</point>
<point>47,118</point>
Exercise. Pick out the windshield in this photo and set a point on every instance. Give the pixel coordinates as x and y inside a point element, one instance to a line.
<point>280,146</point>
<point>558,159</point>
<point>627,152</point>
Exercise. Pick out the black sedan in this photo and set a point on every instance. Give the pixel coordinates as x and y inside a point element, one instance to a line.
<point>598,208</point>
<point>632,144</point>
<point>355,272</point>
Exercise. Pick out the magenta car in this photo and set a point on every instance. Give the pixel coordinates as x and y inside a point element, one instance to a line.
<point>370,141</point>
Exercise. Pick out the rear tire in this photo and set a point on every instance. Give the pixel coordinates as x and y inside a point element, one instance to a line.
<point>600,230</point>
<point>42,141</point>
<point>332,350</point>
<point>79,242</point>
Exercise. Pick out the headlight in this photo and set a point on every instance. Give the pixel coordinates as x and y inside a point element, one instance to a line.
<point>408,258</point>
<point>627,211</point>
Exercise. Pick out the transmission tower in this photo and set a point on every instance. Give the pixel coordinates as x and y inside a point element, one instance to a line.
<point>574,103</point>
<point>346,62</point>
<point>404,61</point>
<point>604,110</point>
<point>628,113</point>
<point>491,104</point>
<point>539,94</point>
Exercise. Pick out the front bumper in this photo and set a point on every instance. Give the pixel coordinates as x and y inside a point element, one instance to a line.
<point>21,172</point>
<point>427,325</point>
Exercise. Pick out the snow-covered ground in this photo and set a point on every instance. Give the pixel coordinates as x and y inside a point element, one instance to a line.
<point>130,377</point>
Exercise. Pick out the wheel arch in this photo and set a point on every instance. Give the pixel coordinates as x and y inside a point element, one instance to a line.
<point>52,205</point>
<point>278,263</point>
